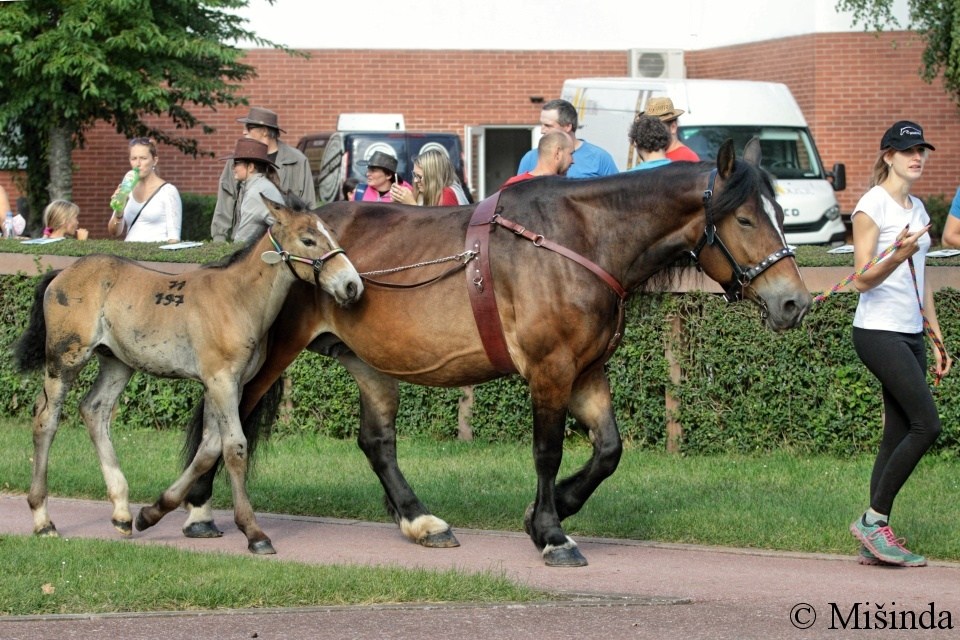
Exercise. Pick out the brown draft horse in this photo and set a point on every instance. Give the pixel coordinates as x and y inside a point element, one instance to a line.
<point>208,324</point>
<point>559,318</point>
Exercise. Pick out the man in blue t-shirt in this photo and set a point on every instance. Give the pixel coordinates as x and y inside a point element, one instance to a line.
<point>589,160</point>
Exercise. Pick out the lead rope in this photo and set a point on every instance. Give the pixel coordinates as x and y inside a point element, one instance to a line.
<point>856,274</point>
<point>927,327</point>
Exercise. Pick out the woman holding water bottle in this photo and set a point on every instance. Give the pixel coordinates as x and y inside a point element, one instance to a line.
<point>153,211</point>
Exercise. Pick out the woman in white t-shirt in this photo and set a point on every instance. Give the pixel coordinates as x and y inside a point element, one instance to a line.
<point>888,332</point>
<point>154,212</point>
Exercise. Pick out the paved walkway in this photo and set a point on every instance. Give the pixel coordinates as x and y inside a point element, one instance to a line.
<point>630,589</point>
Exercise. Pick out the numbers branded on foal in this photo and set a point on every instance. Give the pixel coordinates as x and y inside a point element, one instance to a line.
<point>175,299</point>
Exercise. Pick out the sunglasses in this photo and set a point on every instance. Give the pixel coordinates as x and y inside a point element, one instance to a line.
<point>136,141</point>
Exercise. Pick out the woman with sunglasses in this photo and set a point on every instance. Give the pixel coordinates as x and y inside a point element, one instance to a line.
<point>154,212</point>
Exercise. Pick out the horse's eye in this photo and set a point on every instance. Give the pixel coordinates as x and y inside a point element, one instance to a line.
<point>744,222</point>
<point>309,242</point>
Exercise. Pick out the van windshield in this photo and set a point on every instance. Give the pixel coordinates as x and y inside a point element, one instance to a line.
<point>788,152</point>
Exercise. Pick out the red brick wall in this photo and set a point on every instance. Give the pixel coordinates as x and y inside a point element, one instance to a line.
<point>851,86</point>
<point>434,90</point>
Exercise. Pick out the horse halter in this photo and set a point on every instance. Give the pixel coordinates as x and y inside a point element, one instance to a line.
<point>733,290</point>
<point>279,255</point>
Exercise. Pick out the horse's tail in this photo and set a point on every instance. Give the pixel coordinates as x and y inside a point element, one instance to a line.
<point>30,351</point>
<point>194,434</point>
<point>264,415</point>
<point>261,418</point>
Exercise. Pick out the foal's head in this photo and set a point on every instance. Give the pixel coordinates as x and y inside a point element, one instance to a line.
<point>311,250</point>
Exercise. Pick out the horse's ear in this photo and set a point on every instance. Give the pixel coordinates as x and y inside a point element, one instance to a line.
<point>751,152</point>
<point>726,156</point>
<point>274,208</point>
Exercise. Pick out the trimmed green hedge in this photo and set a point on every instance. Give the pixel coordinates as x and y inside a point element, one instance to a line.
<point>743,388</point>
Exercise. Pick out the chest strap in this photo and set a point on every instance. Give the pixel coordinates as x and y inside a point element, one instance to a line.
<point>480,287</point>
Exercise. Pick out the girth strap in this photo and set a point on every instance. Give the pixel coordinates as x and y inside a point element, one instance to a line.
<point>480,286</point>
<point>540,241</point>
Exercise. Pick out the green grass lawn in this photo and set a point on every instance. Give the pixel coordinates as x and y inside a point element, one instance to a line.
<point>61,576</point>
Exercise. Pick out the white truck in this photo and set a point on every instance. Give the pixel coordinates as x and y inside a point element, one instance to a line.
<point>714,111</point>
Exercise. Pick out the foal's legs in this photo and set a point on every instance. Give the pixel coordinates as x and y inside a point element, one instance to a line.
<point>45,422</point>
<point>97,410</point>
<point>296,335</point>
<point>379,402</point>
<point>591,405</point>
<point>222,434</point>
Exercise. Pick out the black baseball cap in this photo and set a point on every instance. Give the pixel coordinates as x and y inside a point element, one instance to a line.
<point>904,135</point>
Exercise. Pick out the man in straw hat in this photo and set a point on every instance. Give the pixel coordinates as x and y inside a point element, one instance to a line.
<point>292,167</point>
<point>662,107</point>
<point>252,169</point>
<point>589,160</point>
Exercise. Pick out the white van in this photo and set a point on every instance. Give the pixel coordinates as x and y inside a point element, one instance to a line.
<point>714,111</point>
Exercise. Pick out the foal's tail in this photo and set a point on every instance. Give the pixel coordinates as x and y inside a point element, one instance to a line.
<point>30,351</point>
<point>261,418</point>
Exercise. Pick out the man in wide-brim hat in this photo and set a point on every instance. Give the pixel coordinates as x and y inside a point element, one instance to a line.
<point>292,167</point>
<point>252,168</point>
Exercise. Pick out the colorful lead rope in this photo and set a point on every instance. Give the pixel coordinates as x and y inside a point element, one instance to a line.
<point>859,272</point>
<point>927,327</point>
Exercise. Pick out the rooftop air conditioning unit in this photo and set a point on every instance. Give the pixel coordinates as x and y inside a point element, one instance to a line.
<point>656,63</point>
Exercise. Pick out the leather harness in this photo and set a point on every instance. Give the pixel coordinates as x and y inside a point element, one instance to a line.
<point>480,282</point>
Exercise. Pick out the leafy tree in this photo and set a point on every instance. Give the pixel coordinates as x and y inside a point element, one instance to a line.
<point>69,64</point>
<point>936,21</point>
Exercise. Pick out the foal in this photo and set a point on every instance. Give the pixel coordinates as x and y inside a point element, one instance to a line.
<point>208,324</point>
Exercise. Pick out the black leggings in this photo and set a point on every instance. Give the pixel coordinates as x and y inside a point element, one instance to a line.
<point>911,423</point>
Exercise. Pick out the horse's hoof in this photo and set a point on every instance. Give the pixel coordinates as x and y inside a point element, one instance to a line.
<point>202,530</point>
<point>142,522</point>
<point>441,540</point>
<point>125,527</point>
<point>565,556</point>
<point>48,531</point>
<point>261,548</point>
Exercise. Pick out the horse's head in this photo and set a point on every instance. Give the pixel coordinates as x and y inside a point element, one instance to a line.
<point>310,249</point>
<point>743,247</point>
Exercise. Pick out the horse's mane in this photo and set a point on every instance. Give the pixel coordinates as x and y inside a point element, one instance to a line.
<point>745,181</point>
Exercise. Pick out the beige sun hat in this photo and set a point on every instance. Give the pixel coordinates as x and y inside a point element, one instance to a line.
<point>661,107</point>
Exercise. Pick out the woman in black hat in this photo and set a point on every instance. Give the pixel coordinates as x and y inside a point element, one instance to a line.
<point>381,176</point>
<point>256,175</point>
<point>895,305</point>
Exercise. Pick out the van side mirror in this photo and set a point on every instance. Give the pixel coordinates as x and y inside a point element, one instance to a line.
<point>838,177</point>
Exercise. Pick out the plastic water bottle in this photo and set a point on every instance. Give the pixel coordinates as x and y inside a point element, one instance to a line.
<point>8,230</point>
<point>119,201</point>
